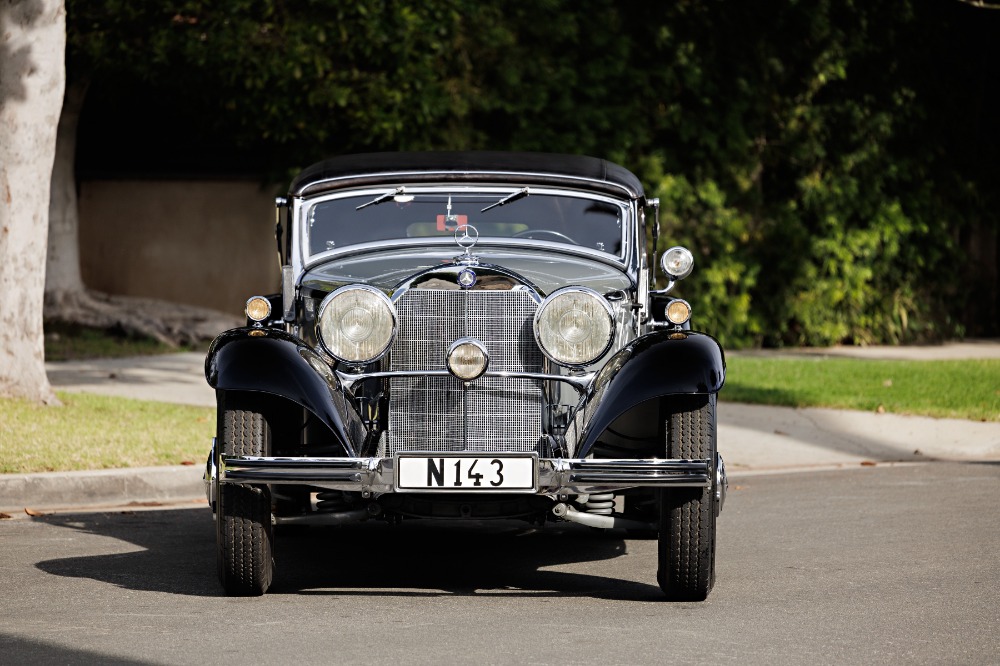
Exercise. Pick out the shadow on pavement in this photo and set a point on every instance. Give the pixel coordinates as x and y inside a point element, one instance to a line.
<point>30,651</point>
<point>177,550</point>
<point>177,556</point>
<point>427,559</point>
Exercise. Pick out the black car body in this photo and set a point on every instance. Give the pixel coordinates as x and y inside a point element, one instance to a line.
<point>467,336</point>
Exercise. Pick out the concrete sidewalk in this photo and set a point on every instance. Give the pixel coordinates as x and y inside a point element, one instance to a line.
<point>178,378</point>
<point>752,439</point>
<point>949,351</point>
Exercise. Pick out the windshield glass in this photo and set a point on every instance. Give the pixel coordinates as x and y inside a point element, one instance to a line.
<point>565,218</point>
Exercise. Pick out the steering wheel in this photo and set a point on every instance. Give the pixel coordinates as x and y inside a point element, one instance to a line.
<point>530,233</point>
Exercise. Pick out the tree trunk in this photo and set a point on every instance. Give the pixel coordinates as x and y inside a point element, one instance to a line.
<point>67,300</point>
<point>32,78</point>
<point>62,268</point>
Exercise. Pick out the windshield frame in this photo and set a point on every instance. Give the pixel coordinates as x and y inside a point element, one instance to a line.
<point>303,210</point>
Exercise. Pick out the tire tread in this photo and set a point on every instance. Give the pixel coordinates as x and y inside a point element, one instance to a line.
<point>687,531</point>
<point>244,521</point>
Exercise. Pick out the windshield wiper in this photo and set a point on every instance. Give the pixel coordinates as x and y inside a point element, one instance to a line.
<point>520,194</point>
<point>382,198</point>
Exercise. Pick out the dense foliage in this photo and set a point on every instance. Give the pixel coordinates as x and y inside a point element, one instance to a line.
<point>824,160</point>
<point>812,165</point>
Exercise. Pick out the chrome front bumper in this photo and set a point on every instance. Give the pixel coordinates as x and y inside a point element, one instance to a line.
<point>376,476</point>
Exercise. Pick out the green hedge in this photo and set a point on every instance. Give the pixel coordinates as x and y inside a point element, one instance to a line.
<point>822,159</point>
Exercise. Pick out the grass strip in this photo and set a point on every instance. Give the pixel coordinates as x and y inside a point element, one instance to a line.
<point>100,432</point>
<point>963,389</point>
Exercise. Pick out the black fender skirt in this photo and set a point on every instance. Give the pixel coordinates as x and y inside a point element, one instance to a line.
<point>267,360</point>
<point>652,366</point>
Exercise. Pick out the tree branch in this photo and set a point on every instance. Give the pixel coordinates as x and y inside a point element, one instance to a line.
<point>980,4</point>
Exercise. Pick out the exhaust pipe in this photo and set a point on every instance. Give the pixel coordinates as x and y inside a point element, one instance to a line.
<point>606,522</point>
<point>320,518</point>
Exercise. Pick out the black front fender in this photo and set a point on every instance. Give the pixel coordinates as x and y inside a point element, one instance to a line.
<point>652,366</point>
<point>266,360</point>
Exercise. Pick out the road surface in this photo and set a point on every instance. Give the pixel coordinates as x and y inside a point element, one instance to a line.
<point>875,564</point>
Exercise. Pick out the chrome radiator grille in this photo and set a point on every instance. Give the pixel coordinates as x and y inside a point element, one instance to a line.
<point>438,413</point>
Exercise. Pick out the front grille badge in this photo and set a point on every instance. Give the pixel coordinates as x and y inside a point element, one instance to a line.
<point>467,278</point>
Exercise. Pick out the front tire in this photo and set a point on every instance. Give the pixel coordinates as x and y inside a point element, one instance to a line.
<point>245,539</point>
<point>686,540</point>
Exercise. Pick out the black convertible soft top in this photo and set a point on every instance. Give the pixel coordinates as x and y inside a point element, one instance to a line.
<point>524,168</point>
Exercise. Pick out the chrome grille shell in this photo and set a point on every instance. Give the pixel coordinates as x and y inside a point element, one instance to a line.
<point>441,413</point>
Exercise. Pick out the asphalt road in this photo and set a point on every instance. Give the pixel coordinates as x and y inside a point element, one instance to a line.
<point>882,564</point>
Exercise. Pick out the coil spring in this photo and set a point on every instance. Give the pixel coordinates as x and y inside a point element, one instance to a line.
<point>603,504</point>
<point>332,501</point>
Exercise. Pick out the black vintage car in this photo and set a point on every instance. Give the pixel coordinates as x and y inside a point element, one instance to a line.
<point>468,336</point>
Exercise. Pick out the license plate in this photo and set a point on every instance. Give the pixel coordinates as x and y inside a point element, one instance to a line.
<point>465,473</point>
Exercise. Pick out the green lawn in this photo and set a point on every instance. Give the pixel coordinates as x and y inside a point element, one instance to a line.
<point>967,389</point>
<point>97,432</point>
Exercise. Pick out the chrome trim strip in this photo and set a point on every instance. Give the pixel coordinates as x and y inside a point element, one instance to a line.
<point>619,263</point>
<point>522,285</point>
<point>555,475</point>
<point>578,382</point>
<point>655,473</point>
<point>473,177</point>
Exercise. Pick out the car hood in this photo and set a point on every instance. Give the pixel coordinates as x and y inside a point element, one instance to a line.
<point>390,268</point>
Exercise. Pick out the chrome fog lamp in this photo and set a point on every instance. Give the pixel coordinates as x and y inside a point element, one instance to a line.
<point>677,263</point>
<point>678,311</point>
<point>467,359</point>
<point>356,324</point>
<point>574,326</point>
<point>258,308</point>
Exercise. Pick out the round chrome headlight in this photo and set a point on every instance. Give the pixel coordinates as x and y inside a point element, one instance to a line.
<point>467,359</point>
<point>574,326</point>
<point>677,263</point>
<point>356,324</point>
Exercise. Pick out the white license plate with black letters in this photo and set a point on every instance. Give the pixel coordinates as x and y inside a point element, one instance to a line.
<point>465,473</point>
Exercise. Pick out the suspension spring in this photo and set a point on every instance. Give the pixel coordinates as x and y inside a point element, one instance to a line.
<point>602,505</point>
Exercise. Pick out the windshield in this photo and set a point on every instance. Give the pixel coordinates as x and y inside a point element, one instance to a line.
<point>390,214</point>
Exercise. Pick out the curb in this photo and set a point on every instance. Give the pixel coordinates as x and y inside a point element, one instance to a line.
<point>95,487</point>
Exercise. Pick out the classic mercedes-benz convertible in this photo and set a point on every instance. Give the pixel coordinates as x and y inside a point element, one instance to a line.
<point>468,336</point>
